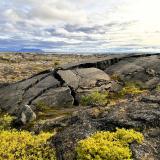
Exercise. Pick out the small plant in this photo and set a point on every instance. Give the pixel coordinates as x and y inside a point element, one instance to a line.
<point>5,121</point>
<point>115,77</point>
<point>95,98</point>
<point>56,63</point>
<point>108,145</point>
<point>131,88</point>
<point>41,106</point>
<point>107,97</point>
<point>22,145</point>
<point>158,88</point>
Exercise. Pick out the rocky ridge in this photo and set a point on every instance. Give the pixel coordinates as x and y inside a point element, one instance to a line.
<point>63,88</point>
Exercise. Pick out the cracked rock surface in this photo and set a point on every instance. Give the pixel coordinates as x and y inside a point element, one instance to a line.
<point>55,88</point>
<point>62,88</point>
<point>145,70</point>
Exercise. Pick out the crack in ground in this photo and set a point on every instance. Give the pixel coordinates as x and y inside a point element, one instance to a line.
<point>42,92</point>
<point>36,82</point>
<point>34,75</point>
<point>99,64</point>
<point>62,82</point>
<point>30,86</point>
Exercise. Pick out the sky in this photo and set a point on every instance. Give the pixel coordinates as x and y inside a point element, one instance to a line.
<point>80,25</point>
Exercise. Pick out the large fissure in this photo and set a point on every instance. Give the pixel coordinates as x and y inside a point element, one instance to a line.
<point>32,85</point>
<point>73,93</point>
<point>62,82</point>
<point>36,82</point>
<point>106,62</point>
<point>42,92</point>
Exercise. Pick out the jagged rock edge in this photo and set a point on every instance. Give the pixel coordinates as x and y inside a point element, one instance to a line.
<point>102,64</point>
<point>108,61</point>
<point>62,82</point>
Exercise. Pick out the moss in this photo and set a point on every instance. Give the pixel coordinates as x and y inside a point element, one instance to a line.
<point>6,121</point>
<point>115,77</point>
<point>23,145</point>
<point>107,97</point>
<point>108,145</point>
<point>95,98</point>
<point>45,111</point>
<point>158,88</point>
<point>131,88</point>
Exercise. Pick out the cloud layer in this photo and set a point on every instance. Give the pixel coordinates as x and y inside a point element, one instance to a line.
<point>80,25</point>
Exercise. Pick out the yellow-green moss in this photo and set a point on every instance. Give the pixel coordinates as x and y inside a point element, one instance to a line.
<point>5,121</point>
<point>95,98</point>
<point>158,88</point>
<point>23,145</point>
<point>103,98</point>
<point>115,77</point>
<point>132,89</point>
<point>108,145</point>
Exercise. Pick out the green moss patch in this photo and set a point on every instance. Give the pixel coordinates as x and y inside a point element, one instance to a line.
<point>108,145</point>
<point>107,97</point>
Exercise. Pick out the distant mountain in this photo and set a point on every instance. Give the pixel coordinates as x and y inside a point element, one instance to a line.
<point>31,50</point>
<point>23,50</point>
<point>7,50</point>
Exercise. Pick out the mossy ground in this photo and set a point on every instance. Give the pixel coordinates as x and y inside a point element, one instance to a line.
<point>108,145</point>
<point>107,97</point>
<point>23,145</point>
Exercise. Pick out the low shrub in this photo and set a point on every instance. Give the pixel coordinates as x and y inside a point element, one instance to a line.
<point>115,77</point>
<point>107,97</point>
<point>95,98</point>
<point>108,145</point>
<point>5,121</point>
<point>158,88</point>
<point>132,89</point>
<point>23,145</point>
<point>56,63</point>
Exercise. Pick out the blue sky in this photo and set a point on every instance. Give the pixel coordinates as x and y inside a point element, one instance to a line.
<point>80,25</point>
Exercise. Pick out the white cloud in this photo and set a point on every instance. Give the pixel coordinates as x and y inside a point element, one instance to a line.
<point>91,25</point>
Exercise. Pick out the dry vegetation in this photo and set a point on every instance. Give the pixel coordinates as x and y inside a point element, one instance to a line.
<point>18,66</point>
